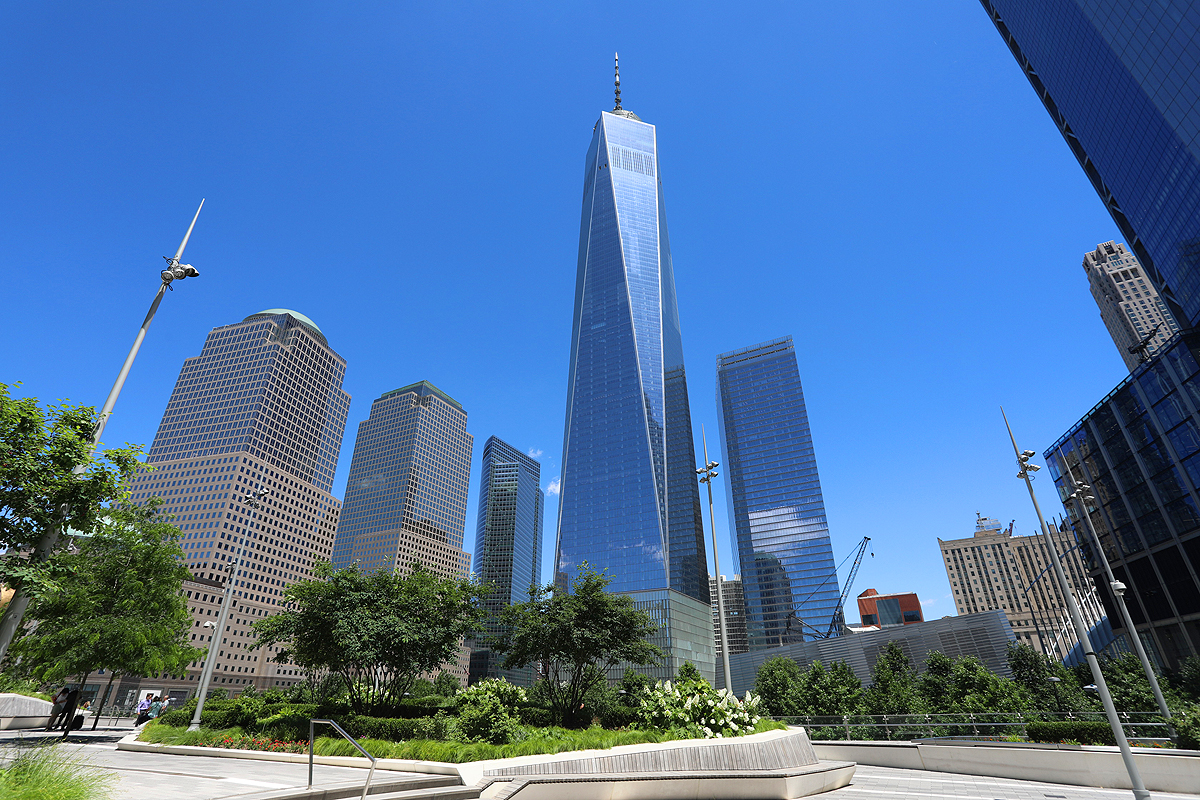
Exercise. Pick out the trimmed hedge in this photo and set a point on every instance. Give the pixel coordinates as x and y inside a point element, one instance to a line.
<point>178,718</point>
<point>288,727</point>
<point>535,716</point>
<point>1075,730</point>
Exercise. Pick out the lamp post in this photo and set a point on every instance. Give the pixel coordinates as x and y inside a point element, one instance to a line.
<point>706,475</point>
<point>1135,777</point>
<point>1055,681</point>
<point>15,612</point>
<point>254,501</point>
<point>1082,497</point>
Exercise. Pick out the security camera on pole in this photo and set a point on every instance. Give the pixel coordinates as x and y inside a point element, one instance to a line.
<point>15,612</point>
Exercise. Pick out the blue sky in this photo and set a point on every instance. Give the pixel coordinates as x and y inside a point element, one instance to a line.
<point>877,180</point>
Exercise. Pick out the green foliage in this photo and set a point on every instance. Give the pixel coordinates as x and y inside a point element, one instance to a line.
<point>695,706</point>
<point>1069,731</point>
<point>487,719</point>
<point>446,684</point>
<point>118,605</point>
<point>1032,672</point>
<point>49,772</point>
<point>216,694</point>
<point>894,687</point>
<point>11,684</point>
<point>378,631</point>
<point>421,687</point>
<point>631,687</point>
<point>775,683</point>
<point>177,718</point>
<point>1187,727</point>
<point>536,716</point>
<point>972,687</point>
<point>577,635</point>
<point>288,727</point>
<point>688,672</point>
<point>508,695</point>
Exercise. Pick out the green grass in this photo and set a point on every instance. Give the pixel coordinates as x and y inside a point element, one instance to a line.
<point>48,773</point>
<point>538,741</point>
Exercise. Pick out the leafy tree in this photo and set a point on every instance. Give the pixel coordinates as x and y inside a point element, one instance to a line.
<point>378,631</point>
<point>632,686</point>
<point>1187,679</point>
<point>775,683</point>
<point>1126,682</point>
<point>118,604</point>
<point>446,684</point>
<point>833,691</point>
<point>49,479</point>
<point>894,688</point>
<point>934,683</point>
<point>975,688</point>
<point>1032,671</point>
<point>577,635</point>
<point>688,672</point>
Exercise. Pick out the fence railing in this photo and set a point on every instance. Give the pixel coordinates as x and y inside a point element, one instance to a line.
<point>992,725</point>
<point>348,738</point>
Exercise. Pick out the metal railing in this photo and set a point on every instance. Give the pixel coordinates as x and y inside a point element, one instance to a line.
<point>1138,725</point>
<point>350,739</point>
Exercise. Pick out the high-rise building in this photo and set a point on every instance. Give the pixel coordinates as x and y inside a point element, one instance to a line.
<point>629,501</point>
<point>262,406</point>
<point>1119,79</point>
<point>993,569</point>
<point>774,497</point>
<point>735,618</point>
<point>508,544</point>
<point>1130,306</point>
<point>885,610</point>
<point>1139,450</point>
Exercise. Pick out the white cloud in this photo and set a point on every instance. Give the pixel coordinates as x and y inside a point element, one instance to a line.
<point>554,487</point>
<point>928,602</point>
<point>534,452</point>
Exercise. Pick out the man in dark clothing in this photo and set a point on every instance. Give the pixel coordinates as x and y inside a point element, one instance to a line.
<point>60,701</point>
<point>68,713</point>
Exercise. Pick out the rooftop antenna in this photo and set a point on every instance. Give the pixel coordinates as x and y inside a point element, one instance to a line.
<point>617,79</point>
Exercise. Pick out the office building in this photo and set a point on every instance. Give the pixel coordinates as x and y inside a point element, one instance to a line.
<point>1119,80</point>
<point>508,544</point>
<point>1130,306</point>
<point>885,610</point>
<point>629,501</point>
<point>262,406</point>
<point>735,618</point>
<point>1139,450</point>
<point>995,570</point>
<point>774,497</point>
<point>985,636</point>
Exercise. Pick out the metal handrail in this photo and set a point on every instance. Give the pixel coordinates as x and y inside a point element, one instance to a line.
<point>350,739</point>
<point>913,725</point>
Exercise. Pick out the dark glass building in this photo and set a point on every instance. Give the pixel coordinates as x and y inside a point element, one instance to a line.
<point>1139,449</point>
<point>774,497</point>
<point>629,501</point>
<point>508,543</point>
<point>1120,80</point>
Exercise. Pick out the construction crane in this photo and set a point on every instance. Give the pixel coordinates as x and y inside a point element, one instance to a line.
<point>839,617</point>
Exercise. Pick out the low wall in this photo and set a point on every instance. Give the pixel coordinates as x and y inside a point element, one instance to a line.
<point>1072,765</point>
<point>17,711</point>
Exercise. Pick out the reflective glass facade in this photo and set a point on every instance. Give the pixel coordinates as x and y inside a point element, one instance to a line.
<point>774,497</point>
<point>629,499</point>
<point>1120,79</point>
<point>508,542</point>
<point>406,496</point>
<point>1139,449</point>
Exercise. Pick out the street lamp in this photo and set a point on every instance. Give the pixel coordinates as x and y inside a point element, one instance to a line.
<point>1054,681</point>
<point>1081,632</point>
<point>254,501</point>
<point>1082,497</point>
<point>15,612</point>
<point>706,476</point>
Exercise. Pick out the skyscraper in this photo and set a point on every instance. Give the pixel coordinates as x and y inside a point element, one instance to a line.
<point>629,499</point>
<point>735,618</point>
<point>262,406</point>
<point>406,496</point>
<point>1119,79</point>
<point>1129,304</point>
<point>774,496</point>
<point>508,542</point>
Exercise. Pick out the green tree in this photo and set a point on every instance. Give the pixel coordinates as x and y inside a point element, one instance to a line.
<point>1187,680</point>
<point>378,631</point>
<point>833,691</point>
<point>49,480</point>
<point>776,682</point>
<point>1127,683</point>
<point>446,684</point>
<point>577,635</point>
<point>934,683</point>
<point>894,687</point>
<point>975,688</point>
<point>117,605</point>
<point>1032,671</point>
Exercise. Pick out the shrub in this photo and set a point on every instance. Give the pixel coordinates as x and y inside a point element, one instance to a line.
<point>507,694</point>
<point>285,726</point>
<point>392,729</point>
<point>446,684</point>
<point>421,688</point>
<point>487,719</point>
<point>698,707</point>
<point>535,716</point>
<point>618,716</point>
<point>1187,727</point>
<point>440,727</point>
<point>179,718</point>
<point>1071,730</point>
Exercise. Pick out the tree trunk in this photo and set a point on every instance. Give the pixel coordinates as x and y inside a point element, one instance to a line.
<point>96,718</point>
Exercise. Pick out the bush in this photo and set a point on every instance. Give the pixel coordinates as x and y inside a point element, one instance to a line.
<point>178,718</point>
<point>1074,730</point>
<point>618,716</point>
<point>1187,727</point>
<point>699,708</point>
<point>287,727</point>
<point>508,695</point>
<point>446,684</point>
<point>392,729</point>
<point>535,716</point>
<point>487,719</point>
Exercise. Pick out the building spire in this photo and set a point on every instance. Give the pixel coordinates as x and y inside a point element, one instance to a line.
<point>617,79</point>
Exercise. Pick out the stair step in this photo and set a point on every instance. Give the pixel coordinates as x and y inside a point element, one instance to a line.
<point>444,793</point>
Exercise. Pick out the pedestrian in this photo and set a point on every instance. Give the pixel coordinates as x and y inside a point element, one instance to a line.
<point>143,709</point>
<point>156,708</point>
<point>68,716</point>
<point>56,710</point>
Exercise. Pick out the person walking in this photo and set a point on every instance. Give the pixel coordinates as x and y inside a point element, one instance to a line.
<point>60,701</point>
<point>156,708</point>
<point>68,722</point>
<point>143,709</point>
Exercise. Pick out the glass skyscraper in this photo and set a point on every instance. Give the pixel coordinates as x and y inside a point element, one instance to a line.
<point>1120,80</point>
<point>508,542</point>
<point>774,497</point>
<point>629,500</point>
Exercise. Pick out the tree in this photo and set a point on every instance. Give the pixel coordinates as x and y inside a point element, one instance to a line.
<point>894,688</point>
<point>117,604</point>
<point>378,631</point>
<point>835,691</point>
<point>1032,671</point>
<point>446,684</point>
<point>775,682</point>
<point>578,635</point>
<point>49,480</point>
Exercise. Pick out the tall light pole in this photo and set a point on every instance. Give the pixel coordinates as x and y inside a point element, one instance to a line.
<point>1082,497</point>
<point>706,476</point>
<point>15,612</point>
<point>1135,777</point>
<point>254,501</point>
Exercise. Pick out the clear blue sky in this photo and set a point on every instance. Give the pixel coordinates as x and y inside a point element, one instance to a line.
<point>877,180</point>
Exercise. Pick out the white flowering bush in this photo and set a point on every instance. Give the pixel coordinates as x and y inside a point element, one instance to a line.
<point>696,706</point>
<point>506,693</point>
